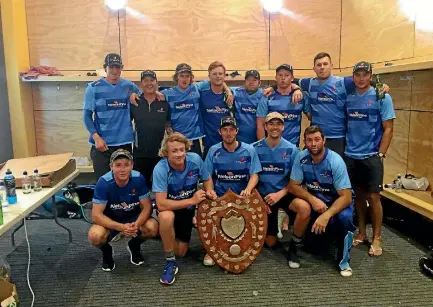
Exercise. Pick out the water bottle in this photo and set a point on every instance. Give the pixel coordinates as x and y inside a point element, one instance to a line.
<point>37,184</point>
<point>27,183</point>
<point>398,184</point>
<point>11,194</point>
<point>1,211</point>
<point>2,192</point>
<point>379,91</point>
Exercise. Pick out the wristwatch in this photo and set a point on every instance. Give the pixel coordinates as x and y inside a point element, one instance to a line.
<point>381,155</point>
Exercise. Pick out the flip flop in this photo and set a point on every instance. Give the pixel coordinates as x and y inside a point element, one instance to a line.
<point>375,252</point>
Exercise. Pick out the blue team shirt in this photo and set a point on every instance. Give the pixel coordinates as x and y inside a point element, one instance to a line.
<point>276,165</point>
<point>122,204</point>
<point>327,102</point>
<point>245,113</point>
<point>323,180</point>
<point>179,185</point>
<point>213,108</point>
<point>365,114</point>
<point>232,170</point>
<point>185,111</point>
<point>292,113</point>
<point>111,108</point>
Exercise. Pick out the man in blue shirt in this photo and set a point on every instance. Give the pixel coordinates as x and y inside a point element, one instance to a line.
<point>175,180</point>
<point>276,157</point>
<point>328,192</point>
<point>107,114</point>
<point>369,134</point>
<point>233,165</point>
<point>281,101</point>
<point>247,99</point>
<point>121,204</point>
<point>216,102</point>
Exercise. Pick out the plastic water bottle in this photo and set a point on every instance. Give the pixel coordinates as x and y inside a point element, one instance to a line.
<point>37,184</point>
<point>1,211</point>
<point>27,183</point>
<point>11,193</point>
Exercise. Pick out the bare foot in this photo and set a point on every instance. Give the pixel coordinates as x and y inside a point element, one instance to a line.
<point>375,248</point>
<point>285,225</point>
<point>358,239</point>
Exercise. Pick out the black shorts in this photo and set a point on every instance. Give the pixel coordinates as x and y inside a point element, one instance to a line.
<point>196,148</point>
<point>337,145</point>
<point>183,224</point>
<point>284,203</point>
<point>366,174</point>
<point>101,160</point>
<point>145,166</point>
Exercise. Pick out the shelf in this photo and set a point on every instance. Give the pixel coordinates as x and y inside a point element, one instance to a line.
<point>418,201</point>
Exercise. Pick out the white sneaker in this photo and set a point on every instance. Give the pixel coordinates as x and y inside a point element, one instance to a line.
<point>208,261</point>
<point>347,272</point>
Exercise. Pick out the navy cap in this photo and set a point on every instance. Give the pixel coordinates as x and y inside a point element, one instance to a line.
<point>286,67</point>
<point>228,121</point>
<point>148,73</point>
<point>252,73</point>
<point>363,66</point>
<point>183,67</point>
<point>113,59</point>
<point>120,153</point>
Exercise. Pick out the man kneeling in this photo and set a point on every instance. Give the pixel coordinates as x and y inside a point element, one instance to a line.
<point>121,204</point>
<point>328,192</point>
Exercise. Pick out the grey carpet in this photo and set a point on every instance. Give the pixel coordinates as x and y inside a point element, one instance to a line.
<point>64,274</point>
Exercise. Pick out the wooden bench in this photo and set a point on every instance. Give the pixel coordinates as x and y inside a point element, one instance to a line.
<point>418,201</point>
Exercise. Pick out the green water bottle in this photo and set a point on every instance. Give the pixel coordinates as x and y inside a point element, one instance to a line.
<point>1,211</point>
<point>379,91</point>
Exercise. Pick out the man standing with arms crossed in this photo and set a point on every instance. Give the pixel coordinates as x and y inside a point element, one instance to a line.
<point>107,114</point>
<point>276,157</point>
<point>233,165</point>
<point>369,134</point>
<point>281,101</point>
<point>328,192</point>
<point>175,180</point>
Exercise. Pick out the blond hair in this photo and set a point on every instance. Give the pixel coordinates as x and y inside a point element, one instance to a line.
<point>216,64</point>
<point>173,137</point>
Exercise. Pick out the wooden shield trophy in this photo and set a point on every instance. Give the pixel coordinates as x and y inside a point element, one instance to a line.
<point>233,229</point>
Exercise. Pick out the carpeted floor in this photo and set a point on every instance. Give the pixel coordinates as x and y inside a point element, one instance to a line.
<point>64,274</point>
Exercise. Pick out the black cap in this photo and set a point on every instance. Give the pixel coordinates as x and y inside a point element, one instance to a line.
<point>113,59</point>
<point>120,153</point>
<point>183,67</point>
<point>363,66</point>
<point>148,73</point>
<point>252,73</point>
<point>286,67</point>
<point>228,120</point>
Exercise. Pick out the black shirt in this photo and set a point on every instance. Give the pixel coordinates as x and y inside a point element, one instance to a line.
<point>151,121</point>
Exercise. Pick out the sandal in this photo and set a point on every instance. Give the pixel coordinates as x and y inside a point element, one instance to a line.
<point>357,242</point>
<point>375,251</point>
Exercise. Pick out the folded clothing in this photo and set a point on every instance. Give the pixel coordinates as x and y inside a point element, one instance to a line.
<point>35,71</point>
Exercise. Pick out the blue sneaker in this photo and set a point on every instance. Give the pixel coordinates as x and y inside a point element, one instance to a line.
<point>170,270</point>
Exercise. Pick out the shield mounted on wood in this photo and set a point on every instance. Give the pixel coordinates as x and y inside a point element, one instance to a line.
<point>233,229</point>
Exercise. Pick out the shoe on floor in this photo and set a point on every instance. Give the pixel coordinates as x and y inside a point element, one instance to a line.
<point>135,253</point>
<point>208,261</point>
<point>170,271</point>
<point>292,257</point>
<point>108,264</point>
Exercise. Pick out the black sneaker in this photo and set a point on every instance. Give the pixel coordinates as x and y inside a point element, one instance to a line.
<point>108,264</point>
<point>292,257</point>
<point>135,253</point>
<point>426,265</point>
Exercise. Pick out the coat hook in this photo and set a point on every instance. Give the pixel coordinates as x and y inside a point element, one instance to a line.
<point>76,87</point>
<point>58,87</point>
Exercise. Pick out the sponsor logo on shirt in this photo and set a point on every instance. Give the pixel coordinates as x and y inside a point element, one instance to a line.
<point>369,102</point>
<point>288,116</point>
<point>357,115</point>
<point>132,192</point>
<point>325,99</point>
<point>161,110</point>
<point>191,174</point>
<point>116,104</point>
<point>232,177</point>
<point>241,160</point>
<point>284,155</point>
<point>272,168</point>
<point>184,106</point>
<point>316,187</point>
<point>182,195</point>
<point>217,110</point>
<point>249,110</point>
<point>325,174</point>
<point>124,206</point>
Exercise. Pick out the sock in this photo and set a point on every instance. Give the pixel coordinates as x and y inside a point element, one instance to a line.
<point>295,242</point>
<point>136,241</point>
<point>169,256</point>
<point>106,248</point>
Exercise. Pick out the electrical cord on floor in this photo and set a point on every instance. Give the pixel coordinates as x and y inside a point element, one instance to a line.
<point>28,265</point>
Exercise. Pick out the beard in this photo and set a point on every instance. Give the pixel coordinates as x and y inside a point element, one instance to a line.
<point>316,152</point>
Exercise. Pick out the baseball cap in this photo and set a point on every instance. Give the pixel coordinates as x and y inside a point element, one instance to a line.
<point>148,73</point>
<point>363,66</point>
<point>228,120</point>
<point>274,115</point>
<point>286,67</point>
<point>112,59</point>
<point>254,73</point>
<point>183,67</point>
<point>120,153</point>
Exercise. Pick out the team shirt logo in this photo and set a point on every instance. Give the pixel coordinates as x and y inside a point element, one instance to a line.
<point>161,110</point>
<point>249,110</point>
<point>116,104</point>
<point>184,106</point>
<point>288,116</point>
<point>230,176</point>
<point>182,195</point>
<point>272,168</point>
<point>358,115</point>
<point>285,155</point>
<point>217,110</point>
<point>315,186</point>
<point>124,206</point>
